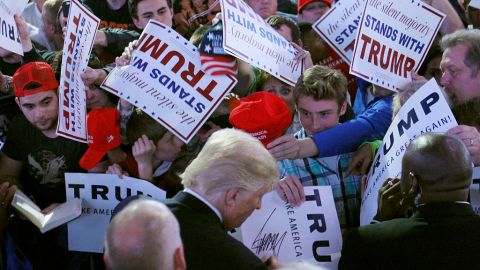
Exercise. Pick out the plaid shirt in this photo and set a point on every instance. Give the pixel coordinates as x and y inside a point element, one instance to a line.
<point>329,171</point>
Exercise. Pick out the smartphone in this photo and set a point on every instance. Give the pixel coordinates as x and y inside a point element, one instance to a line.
<point>66,8</point>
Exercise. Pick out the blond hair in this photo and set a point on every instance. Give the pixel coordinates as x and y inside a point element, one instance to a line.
<point>230,159</point>
<point>320,83</point>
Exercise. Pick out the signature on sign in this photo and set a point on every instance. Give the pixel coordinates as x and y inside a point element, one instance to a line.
<point>268,241</point>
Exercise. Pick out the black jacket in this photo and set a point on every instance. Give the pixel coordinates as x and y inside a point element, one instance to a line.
<point>438,236</point>
<point>206,243</point>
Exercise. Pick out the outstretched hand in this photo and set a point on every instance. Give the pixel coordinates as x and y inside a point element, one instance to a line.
<point>359,162</point>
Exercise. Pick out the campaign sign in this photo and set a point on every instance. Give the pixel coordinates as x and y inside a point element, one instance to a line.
<point>425,111</point>
<point>9,35</point>
<point>338,27</point>
<point>248,37</point>
<point>393,40</point>
<point>81,29</point>
<point>475,190</point>
<point>310,232</point>
<point>166,81</point>
<point>100,194</point>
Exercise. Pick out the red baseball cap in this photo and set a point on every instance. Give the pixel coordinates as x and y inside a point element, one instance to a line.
<point>39,73</point>
<point>264,115</point>
<point>302,3</point>
<point>103,126</point>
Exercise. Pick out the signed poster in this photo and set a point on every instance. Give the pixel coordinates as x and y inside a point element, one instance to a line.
<point>310,232</point>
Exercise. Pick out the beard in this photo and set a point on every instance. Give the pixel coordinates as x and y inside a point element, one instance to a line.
<point>467,112</point>
<point>452,98</point>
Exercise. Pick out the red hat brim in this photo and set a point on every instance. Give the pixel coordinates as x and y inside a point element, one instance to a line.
<point>91,158</point>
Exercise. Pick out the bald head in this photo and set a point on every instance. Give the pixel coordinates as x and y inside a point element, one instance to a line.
<point>144,235</point>
<point>441,165</point>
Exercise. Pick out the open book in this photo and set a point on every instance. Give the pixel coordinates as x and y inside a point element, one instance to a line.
<point>45,222</point>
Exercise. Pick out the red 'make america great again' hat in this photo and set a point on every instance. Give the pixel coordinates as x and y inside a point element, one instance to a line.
<point>103,126</point>
<point>33,78</point>
<point>264,115</point>
<point>302,3</point>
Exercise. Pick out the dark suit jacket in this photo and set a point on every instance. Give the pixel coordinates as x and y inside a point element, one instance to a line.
<point>206,243</point>
<point>437,236</point>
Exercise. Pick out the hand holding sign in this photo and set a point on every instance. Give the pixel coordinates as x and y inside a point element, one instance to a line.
<point>290,190</point>
<point>126,56</point>
<point>303,55</point>
<point>93,76</point>
<point>117,170</point>
<point>23,32</point>
<point>360,161</point>
<point>471,137</point>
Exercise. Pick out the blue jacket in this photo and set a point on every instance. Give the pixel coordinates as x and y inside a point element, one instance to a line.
<point>370,125</point>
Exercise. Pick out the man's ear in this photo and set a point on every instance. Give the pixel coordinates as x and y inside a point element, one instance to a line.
<point>415,188</point>
<point>343,109</point>
<point>179,259</point>
<point>106,260</point>
<point>231,196</point>
<point>136,22</point>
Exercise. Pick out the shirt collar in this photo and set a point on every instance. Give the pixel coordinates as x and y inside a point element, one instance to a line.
<point>198,196</point>
<point>457,202</point>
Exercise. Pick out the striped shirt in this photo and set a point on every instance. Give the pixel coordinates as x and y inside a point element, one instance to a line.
<point>329,171</point>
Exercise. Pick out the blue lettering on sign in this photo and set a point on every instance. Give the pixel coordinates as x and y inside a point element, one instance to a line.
<point>241,21</point>
<point>409,42</point>
<point>381,28</point>
<point>170,84</point>
<point>351,29</point>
